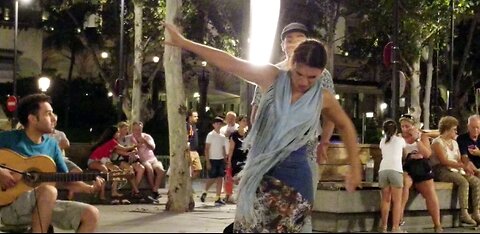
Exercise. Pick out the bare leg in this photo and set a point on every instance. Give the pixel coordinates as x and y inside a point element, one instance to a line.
<point>150,174</point>
<point>159,172</point>
<point>89,220</point>
<point>427,189</point>
<point>46,196</point>
<point>407,184</point>
<point>219,181</point>
<point>385,207</point>
<point>128,167</point>
<point>139,172</point>
<point>98,166</point>
<point>397,206</point>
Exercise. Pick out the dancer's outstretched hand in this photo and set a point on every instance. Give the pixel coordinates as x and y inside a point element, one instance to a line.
<point>353,177</point>
<point>175,38</point>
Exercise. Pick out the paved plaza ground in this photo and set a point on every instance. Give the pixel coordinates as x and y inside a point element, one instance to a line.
<point>206,218</point>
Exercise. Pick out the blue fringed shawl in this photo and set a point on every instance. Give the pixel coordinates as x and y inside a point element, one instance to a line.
<point>280,129</point>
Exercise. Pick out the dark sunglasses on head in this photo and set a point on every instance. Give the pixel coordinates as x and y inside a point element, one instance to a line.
<point>407,116</point>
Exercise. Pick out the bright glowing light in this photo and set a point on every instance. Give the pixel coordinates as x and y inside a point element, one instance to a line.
<point>207,108</point>
<point>204,63</point>
<point>104,55</point>
<point>369,114</point>
<point>25,1</point>
<point>263,25</point>
<point>196,95</point>
<point>337,96</point>
<point>43,83</point>
<point>109,94</point>
<point>383,106</point>
<point>155,59</point>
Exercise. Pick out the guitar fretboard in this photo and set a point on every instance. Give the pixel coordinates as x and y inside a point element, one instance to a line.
<point>68,177</point>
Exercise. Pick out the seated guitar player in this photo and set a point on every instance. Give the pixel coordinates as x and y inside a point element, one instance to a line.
<point>39,206</point>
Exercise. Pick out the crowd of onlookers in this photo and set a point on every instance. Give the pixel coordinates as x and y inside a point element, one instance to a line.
<point>125,148</point>
<point>418,158</point>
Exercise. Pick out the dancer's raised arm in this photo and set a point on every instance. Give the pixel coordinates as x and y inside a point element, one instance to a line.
<point>262,75</point>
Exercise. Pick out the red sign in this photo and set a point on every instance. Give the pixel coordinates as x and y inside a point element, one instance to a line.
<point>11,103</point>
<point>387,54</point>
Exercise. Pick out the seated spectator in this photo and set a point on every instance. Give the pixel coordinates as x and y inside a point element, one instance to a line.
<point>448,167</point>
<point>124,161</point>
<point>100,160</point>
<point>64,143</point>
<point>154,168</point>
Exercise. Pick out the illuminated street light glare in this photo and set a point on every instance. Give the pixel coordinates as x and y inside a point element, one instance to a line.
<point>109,94</point>
<point>263,26</point>
<point>383,106</point>
<point>43,83</point>
<point>369,114</point>
<point>104,55</point>
<point>337,96</point>
<point>156,59</point>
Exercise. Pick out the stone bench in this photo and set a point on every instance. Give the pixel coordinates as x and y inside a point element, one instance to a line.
<point>79,153</point>
<point>337,210</point>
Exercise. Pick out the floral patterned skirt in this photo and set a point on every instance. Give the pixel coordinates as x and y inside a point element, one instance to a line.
<point>281,209</point>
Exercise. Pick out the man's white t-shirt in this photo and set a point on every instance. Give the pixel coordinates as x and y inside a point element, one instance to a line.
<point>392,153</point>
<point>218,145</point>
<point>227,130</point>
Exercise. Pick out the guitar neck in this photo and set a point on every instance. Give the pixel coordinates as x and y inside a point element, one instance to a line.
<point>69,177</point>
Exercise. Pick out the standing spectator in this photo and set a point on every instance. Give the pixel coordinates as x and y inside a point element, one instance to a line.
<point>153,167</point>
<point>469,144</point>
<point>390,175</point>
<point>231,125</point>
<point>277,173</point>
<point>236,154</point>
<point>215,156</point>
<point>192,131</point>
<point>418,146</point>
<point>448,167</point>
<point>124,161</point>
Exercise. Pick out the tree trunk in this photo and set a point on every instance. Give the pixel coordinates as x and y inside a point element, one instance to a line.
<point>416,110</point>
<point>138,61</point>
<point>428,87</point>
<point>69,82</point>
<point>180,198</point>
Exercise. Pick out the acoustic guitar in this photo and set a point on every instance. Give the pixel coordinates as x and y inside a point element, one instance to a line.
<point>29,172</point>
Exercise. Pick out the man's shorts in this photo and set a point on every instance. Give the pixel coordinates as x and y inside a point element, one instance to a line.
<point>217,168</point>
<point>66,214</point>
<point>196,163</point>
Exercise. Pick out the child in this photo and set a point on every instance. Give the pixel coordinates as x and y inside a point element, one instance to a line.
<point>390,175</point>
<point>215,156</point>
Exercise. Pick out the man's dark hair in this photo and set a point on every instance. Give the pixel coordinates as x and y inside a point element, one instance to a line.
<point>29,105</point>
<point>190,113</point>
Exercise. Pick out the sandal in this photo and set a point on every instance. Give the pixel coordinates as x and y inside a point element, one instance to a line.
<point>125,202</point>
<point>114,202</point>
